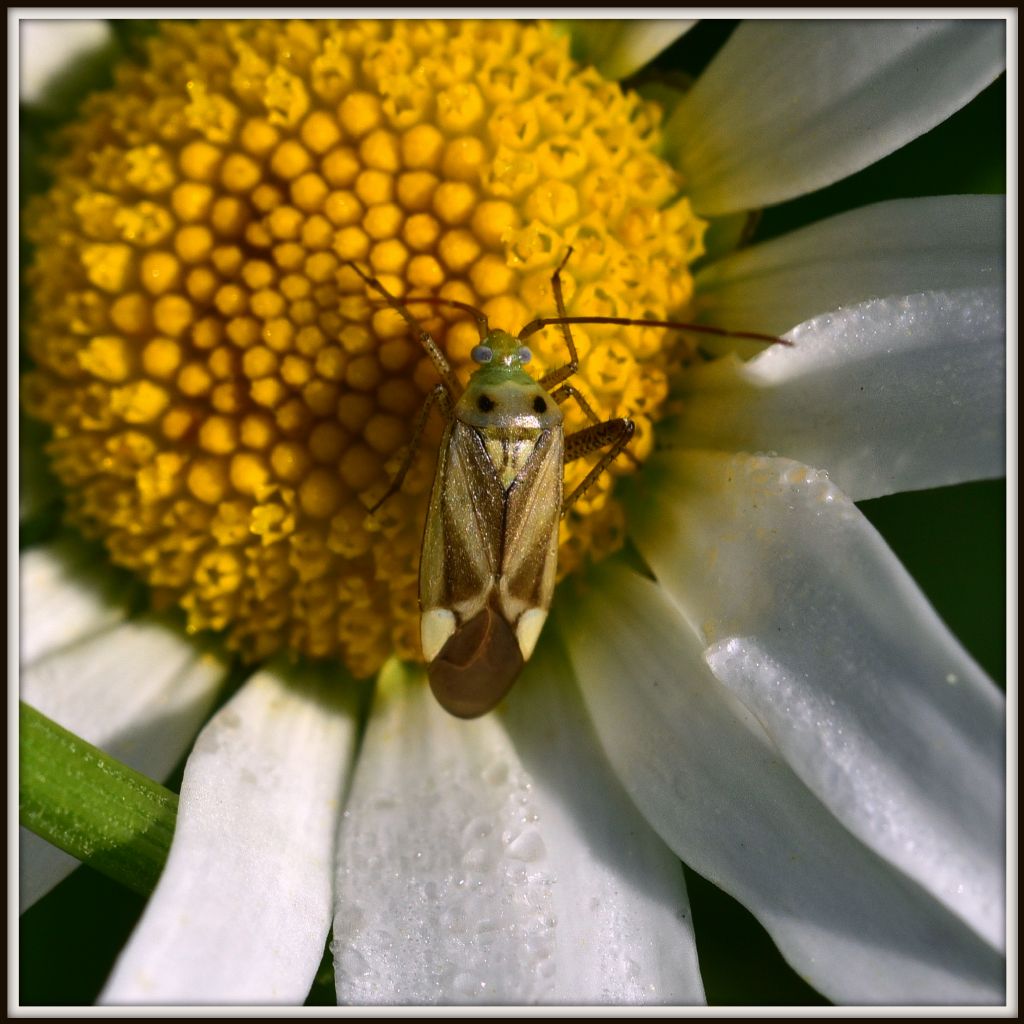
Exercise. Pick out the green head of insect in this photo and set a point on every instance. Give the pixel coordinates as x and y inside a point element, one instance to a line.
<point>500,356</point>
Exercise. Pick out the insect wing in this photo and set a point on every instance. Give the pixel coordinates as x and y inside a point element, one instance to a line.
<point>488,567</point>
<point>462,540</point>
<point>530,551</point>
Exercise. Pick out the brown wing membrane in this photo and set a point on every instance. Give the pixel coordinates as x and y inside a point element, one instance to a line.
<point>477,666</point>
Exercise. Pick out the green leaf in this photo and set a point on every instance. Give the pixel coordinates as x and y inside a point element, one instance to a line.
<point>92,806</point>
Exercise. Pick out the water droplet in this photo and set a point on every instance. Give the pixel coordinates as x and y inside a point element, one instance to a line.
<point>527,846</point>
<point>467,985</point>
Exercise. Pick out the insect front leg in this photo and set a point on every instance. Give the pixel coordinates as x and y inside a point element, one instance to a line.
<point>439,395</point>
<point>611,434</point>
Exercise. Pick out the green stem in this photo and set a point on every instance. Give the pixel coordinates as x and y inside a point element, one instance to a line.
<point>99,810</point>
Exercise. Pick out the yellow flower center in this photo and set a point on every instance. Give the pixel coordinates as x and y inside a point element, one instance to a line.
<point>226,399</point>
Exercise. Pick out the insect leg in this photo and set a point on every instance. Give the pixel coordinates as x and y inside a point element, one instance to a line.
<point>611,434</point>
<point>426,340</point>
<point>438,395</point>
<point>568,391</point>
<point>549,380</point>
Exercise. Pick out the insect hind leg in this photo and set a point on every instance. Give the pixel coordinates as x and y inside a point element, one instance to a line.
<point>611,434</point>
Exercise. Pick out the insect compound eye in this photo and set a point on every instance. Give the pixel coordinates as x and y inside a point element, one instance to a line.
<point>524,355</point>
<point>539,405</point>
<point>481,354</point>
<point>485,403</point>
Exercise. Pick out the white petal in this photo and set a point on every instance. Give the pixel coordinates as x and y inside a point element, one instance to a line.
<point>618,48</point>
<point>499,861</point>
<point>901,247</point>
<point>50,46</point>
<point>242,910</point>
<point>815,626</point>
<point>789,107</point>
<point>138,690</point>
<point>66,595</point>
<point>707,777</point>
<point>890,395</point>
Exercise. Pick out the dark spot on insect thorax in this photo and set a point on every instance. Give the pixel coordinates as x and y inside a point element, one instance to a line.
<point>539,405</point>
<point>485,403</point>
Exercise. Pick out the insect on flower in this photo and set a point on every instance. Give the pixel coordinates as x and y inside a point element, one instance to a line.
<point>490,543</point>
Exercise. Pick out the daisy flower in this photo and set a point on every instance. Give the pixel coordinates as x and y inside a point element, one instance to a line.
<point>738,673</point>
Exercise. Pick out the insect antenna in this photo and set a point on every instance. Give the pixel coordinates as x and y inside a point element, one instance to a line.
<point>722,332</point>
<point>432,300</point>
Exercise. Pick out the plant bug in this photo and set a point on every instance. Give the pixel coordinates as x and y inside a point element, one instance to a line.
<point>490,542</point>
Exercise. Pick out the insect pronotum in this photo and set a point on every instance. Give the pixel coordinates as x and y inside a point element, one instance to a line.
<point>490,543</point>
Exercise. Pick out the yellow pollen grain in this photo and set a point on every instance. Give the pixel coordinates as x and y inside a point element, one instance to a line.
<point>454,201</point>
<point>194,380</point>
<point>258,137</point>
<point>161,358</point>
<point>321,493</point>
<point>239,173</point>
<point>227,397</point>
<point>309,191</point>
<point>342,208</point>
<point>193,243</point>
<point>458,249</point>
<point>218,435</point>
<point>191,201</point>
<point>359,113</point>
<point>327,442</point>
<point>415,190</point>
<point>320,132</point>
<point>341,167</point>
<point>290,461</point>
<point>257,431</point>
<point>200,160</point>
<point>421,231</point>
<point>131,314</point>
<point>317,232</point>
<point>229,216</point>
<point>380,151</point>
<point>208,480</point>
<point>159,272</point>
<point>290,160</point>
<point>249,473</point>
